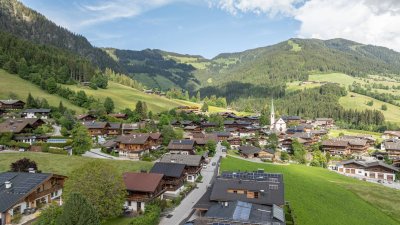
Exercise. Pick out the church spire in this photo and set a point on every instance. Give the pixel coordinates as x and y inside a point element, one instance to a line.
<point>272,118</point>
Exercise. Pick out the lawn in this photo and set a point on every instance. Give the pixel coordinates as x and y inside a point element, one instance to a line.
<point>13,83</point>
<point>322,197</point>
<point>335,133</point>
<point>62,164</point>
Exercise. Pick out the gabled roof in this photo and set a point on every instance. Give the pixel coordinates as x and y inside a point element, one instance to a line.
<point>368,164</point>
<point>143,182</point>
<point>115,125</point>
<point>392,145</point>
<point>188,160</point>
<point>335,142</point>
<point>393,133</point>
<point>181,144</point>
<point>10,101</point>
<point>95,125</point>
<point>248,150</point>
<point>22,184</point>
<point>18,125</point>
<point>168,169</point>
<point>132,139</point>
<point>266,194</point>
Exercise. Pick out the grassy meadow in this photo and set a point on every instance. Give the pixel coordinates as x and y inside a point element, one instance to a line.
<point>13,83</point>
<point>62,164</point>
<point>322,197</point>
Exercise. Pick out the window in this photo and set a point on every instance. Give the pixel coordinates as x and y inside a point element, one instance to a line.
<point>129,203</point>
<point>235,191</point>
<point>255,194</point>
<point>273,187</point>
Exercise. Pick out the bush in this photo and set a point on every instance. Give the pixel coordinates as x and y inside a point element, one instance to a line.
<point>151,216</point>
<point>16,218</point>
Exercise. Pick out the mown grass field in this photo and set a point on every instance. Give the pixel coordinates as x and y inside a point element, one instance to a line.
<point>13,83</point>
<point>322,197</point>
<point>126,97</point>
<point>359,102</point>
<point>335,133</point>
<point>62,164</point>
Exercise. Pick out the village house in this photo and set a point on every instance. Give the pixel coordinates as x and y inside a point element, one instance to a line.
<point>133,146</point>
<point>235,142</point>
<point>142,188</point>
<point>392,148</point>
<point>19,126</point>
<point>373,169</point>
<point>36,113</point>
<point>247,151</point>
<point>336,147</point>
<point>22,193</point>
<point>121,116</point>
<point>232,192</point>
<point>193,164</point>
<point>86,117</point>
<point>185,147</point>
<point>174,177</point>
<point>128,128</point>
<point>323,122</point>
<point>391,135</point>
<point>97,128</point>
<point>222,136</point>
<point>114,129</point>
<point>11,104</point>
<point>293,120</point>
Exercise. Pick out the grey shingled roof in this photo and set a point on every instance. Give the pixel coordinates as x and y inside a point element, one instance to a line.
<point>22,184</point>
<point>248,150</point>
<point>168,169</point>
<point>267,196</point>
<point>181,144</point>
<point>188,160</point>
<point>367,164</point>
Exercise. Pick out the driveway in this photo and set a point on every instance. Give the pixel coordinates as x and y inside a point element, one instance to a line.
<point>183,211</point>
<point>56,130</point>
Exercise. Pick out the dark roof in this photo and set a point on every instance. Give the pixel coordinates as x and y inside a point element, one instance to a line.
<point>222,134</point>
<point>392,145</point>
<point>115,125</point>
<point>168,169</point>
<point>181,144</point>
<point>133,139</point>
<point>367,164</point>
<point>110,144</point>
<point>188,160</point>
<point>291,118</point>
<point>248,150</point>
<point>14,126</point>
<point>145,182</point>
<point>238,211</point>
<point>10,101</point>
<point>335,142</point>
<point>22,184</point>
<point>269,186</point>
<point>95,125</point>
<point>37,110</point>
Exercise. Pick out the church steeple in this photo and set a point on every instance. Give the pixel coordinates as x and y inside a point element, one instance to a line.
<point>272,118</point>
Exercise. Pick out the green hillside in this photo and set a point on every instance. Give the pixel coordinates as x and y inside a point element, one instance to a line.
<point>15,84</point>
<point>319,196</point>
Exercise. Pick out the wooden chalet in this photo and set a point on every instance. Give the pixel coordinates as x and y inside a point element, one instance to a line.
<point>185,147</point>
<point>121,116</point>
<point>193,164</point>
<point>86,117</point>
<point>389,134</point>
<point>22,193</point>
<point>174,175</point>
<point>114,129</point>
<point>336,147</point>
<point>97,128</point>
<point>11,104</point>
<point>142,188</point>
<point>235,142</point>
<point>133,146</point>
<point>20,126</point>
<point>392,148</point>
<point>222,136</point>
<point>373,169</point>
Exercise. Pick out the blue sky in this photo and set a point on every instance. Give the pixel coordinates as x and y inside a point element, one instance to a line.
<point>210,27</point>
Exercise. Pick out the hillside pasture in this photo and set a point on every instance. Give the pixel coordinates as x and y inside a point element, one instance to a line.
<point>20,87</point>
<point>319,196</point>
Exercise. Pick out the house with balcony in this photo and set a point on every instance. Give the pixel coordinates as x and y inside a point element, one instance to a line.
<point>11,104</point>
<point>24,193</point>
<point>193,164</point>
<point>36,113</point>
<point>174,177</point>
<point>185,147</point>
<point>142,188</point>
<point>369,169</point>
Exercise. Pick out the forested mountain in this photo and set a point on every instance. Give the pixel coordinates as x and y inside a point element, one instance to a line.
<point>23,22</point>
<point>269,68</point>
<point>154,69</point>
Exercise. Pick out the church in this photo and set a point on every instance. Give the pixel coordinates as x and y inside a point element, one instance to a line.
<point>279,125</point>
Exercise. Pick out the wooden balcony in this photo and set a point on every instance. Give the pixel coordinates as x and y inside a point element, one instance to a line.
<point>37,195</point>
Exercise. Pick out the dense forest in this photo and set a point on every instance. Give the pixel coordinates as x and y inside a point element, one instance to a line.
<point>147,66</point>
<point>324,102</point>
<point>23,22</point>
<point>266,70</point>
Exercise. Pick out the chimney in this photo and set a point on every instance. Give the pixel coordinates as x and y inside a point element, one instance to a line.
<point>31,170</point>
<point>8,184</point>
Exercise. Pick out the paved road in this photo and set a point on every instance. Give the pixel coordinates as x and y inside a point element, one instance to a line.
<point>56,130</point>
<point>183,211</point>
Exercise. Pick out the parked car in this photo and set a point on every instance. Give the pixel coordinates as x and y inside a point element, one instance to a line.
<point>21,150</point>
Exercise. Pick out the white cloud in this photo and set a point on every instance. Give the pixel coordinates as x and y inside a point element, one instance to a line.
<point>366,21</point>
<point>270,7</point>
<point>108,10</point>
